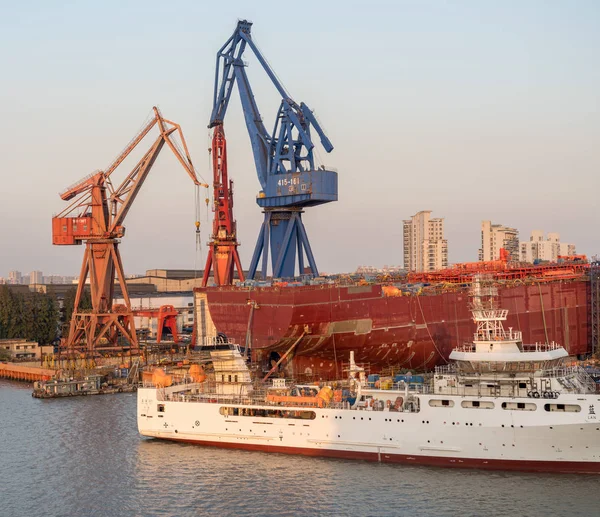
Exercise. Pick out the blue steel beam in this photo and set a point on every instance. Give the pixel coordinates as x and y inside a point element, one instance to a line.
<point>285,245</point>
<point>257,252</point>
<point>284,159</point>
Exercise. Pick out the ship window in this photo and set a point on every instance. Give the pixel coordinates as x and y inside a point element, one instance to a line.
<point>268,413</point>
<point>569,408</point>
<point>441,403</point>
<point>519,406</point>
<point>160,408</point>
<point>235,378</point>
<point>522,385</point>
<point>229,378</point>
<point>477,404</point>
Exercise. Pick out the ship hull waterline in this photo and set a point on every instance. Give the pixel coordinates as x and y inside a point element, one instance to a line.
<point>558,467</point>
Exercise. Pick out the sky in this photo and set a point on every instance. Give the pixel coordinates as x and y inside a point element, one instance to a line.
<point>474,110</point>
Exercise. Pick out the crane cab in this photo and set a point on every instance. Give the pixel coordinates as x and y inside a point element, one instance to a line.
<point>71,230</point>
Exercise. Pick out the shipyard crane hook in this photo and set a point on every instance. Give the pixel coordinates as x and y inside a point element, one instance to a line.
<point>95,216</point>
<point>284,160</point>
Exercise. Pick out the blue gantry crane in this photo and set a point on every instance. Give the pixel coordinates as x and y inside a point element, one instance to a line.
<point>284,160</point>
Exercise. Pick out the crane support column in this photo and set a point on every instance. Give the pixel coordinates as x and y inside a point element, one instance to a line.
<point>286,234</point>
<point>223,257</point>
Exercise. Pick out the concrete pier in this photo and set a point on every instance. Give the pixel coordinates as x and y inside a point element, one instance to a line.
<point>25,373</point>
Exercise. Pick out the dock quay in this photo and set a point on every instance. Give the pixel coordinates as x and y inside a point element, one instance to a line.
<point>25,373</point>
<point>56,383</point>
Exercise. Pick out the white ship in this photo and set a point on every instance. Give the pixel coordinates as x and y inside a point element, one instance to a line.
<point>501,404</point>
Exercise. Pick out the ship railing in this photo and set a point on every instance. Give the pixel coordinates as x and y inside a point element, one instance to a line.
<point>421,388</point>
<point>498,335</point>
<point>475,391</point>
<point>209,392</point>
<point>525,348</point>
<point>411,387</point>
<point>541,347</point>
<point>211,341</point>
<point>446,369</point>
<point>465,348</point>
<point>585,381</point>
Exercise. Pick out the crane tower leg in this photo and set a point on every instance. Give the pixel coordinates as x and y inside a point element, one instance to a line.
<point>283,235</point>
<point>100,326</point>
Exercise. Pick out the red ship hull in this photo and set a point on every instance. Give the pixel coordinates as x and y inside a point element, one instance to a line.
<point>411,331</point>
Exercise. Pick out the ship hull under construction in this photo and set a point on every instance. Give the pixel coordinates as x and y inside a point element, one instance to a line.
<point>318,325</point>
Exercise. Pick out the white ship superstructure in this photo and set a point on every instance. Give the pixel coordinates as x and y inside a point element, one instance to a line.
<point>500,404</point>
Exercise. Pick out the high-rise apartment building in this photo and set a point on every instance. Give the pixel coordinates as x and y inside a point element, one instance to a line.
<point>425,248</point>
<point>549,249</point>
<point>15,277</point>
<point>494,237</point>
<point>36,278</point>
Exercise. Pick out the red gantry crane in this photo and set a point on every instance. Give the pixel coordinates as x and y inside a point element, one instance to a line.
<point>166,318</point>
<point>222,254</point>
<point>96,217</point>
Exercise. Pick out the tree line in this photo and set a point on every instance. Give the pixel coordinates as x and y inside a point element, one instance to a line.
<point>38,316</point>
<point>33,316</point>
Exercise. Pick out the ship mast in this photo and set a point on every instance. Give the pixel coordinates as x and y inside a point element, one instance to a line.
<point>488,317</point>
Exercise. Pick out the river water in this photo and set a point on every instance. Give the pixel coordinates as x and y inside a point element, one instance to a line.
<point>83,456</point>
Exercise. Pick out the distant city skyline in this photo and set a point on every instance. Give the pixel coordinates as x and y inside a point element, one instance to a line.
<point>493,236</point>
<point>474,110</point>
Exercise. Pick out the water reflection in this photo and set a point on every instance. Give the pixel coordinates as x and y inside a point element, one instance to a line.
<point>83,456</point>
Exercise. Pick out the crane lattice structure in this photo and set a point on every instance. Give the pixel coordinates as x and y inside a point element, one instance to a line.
<point>284,160</point>
<point>95,216</point>
<point>223,255</point>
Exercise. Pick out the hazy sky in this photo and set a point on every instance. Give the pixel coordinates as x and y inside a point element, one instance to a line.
<point>474,110</point>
